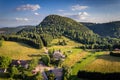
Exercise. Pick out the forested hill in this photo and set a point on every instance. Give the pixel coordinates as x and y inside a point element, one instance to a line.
<point>67,27</point>
<point>111,29</point>
<point>62,22</point>
<point>55,26</point>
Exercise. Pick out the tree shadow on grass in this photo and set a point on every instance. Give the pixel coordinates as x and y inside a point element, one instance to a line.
<point>4,75</point>
<point>25,45</point>
<point>108,57</point>
<point>74,77</point>
<point>34,55</point>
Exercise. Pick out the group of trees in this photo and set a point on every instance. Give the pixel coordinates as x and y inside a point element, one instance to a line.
<point>45,59</point>
<point>104,44</point>
<point>36,43</point>
<point>19,71</point>
<point>48,59</point>
<point>5,62</point>
<point>33,63</point>
<point>50,75</point>
<point>63,42</point>
<point>53,61</point>
<point>66,73</point>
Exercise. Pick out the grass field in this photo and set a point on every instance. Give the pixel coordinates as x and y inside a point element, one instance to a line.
<point>105,64</point>
<point>70,43</point>
<point>18,50</point>
<point>80,65</point>
<point>97,62</point>
<point>74,57</point>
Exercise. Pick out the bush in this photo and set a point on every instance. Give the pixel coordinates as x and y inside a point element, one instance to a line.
<point>46,59</point>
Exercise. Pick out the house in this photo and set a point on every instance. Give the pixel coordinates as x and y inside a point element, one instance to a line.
<point>23,63</point>
<point>58,72</point>
<point>1,70</point>
<point>57,55</point>
<point>116,49</point>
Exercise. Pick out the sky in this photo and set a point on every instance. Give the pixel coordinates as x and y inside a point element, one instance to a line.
<point>31,12</point>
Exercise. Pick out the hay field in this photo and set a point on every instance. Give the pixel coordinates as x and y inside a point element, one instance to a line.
<point>17,50</point>
<point>105,64</point>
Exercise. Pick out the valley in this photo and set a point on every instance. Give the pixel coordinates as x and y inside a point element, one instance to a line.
<point>57,48</point>
<point>77,59</point>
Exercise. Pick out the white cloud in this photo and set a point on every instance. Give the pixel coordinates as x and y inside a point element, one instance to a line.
<point>80,16</point>
<point>28,7</point>
<point>37,14</point>
<point>22,19</point>
<point>83,15</point>
<point>78,7</point>
<point>61,10</point>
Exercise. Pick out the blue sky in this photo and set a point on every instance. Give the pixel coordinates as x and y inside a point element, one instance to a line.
<point>32,12</point>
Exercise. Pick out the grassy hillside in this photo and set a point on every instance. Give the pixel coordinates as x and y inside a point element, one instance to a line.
<point>17,50</point>
<point>70,43</point>
<point>105,64</point>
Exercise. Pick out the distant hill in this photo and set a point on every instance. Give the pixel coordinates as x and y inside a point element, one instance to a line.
<point>111,29</point>
<point>8,30</point>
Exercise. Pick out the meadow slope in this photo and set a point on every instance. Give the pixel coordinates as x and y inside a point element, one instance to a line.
<point>17,50</point>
